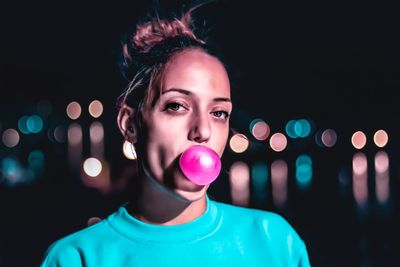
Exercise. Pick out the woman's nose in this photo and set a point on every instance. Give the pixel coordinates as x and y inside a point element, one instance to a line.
<point>200,130</point>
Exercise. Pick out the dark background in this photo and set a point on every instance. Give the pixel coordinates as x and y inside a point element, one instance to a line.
<point>334,62</point>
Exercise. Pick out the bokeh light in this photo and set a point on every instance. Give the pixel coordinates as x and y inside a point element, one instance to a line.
<point>74,110</point>
<point>358,139</point>
<point>289,128</point>
<point>302,128</point>
<point>381,162</point>
<point>240,183</point>
<point>74,134</point>
<point>60,134</point>
<point>279,178</point>
<point>278,142</point>
<point>34,124</point>
<point>10,137</point>
<point>11,170</point>
<point>304,170</point>
<point>259,175</point>
<point>360,164</point>
<point>75,146</point>
<point>36,160</point>
<point>381,138</point>
<point>92,167</point>
<point>95,108</point>
<point>329,137</point>
<point>129,150</point>
<point>22,125</point>
<point>100,179</point>
<point>360,179</point>
<point>239,143</point>
<point>30,124</point>
<point>96,132</point>
<point>14,174</point>
<point>382,177</point>
<point>259,129</point>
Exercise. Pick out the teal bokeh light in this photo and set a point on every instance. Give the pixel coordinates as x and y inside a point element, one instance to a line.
<point>36,160</point>
<point>302,128</point>
<point>9,167</point>
<point>252,123</point>
<point>23,125</point>
<point>303,159</point>
<point>34,124</point>
<point>289,128</point>
<point>304,171</point>
<point>259,174</point>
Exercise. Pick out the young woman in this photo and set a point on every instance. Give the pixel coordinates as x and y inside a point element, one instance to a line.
<point>178,97</point>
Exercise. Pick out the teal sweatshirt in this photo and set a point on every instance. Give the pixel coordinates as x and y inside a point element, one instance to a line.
<point>225,235</point>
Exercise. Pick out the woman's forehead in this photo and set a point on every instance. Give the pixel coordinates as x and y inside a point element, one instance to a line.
<point>196,72</point>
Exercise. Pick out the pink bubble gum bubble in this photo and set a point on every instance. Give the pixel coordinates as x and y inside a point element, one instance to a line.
<point>200,164</point>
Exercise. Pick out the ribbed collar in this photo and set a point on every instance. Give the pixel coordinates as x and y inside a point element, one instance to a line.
<point>195,230</point>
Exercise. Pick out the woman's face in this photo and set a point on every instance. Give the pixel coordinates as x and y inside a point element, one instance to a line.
<point>193,107</point>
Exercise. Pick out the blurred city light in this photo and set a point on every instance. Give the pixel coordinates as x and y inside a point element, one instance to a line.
<point>10,137</point>
<point>360,179</point>
<point>34,124</point>
<point>259,175</point>
<point>95,108</point>
<point>278,142</point>
<point>358,139</point>
<point>381,138</point>
<point>60,134</point>
<point>74,134</point>
<point>279,178</point>
<point>304,171</point>
<point>329,137</point>
<point>92,167</point>
<point>240,183</point>
<point>289,128</point>
<point>239,143</point>
<point>22,125</point>
<point>96,174</point>
<point>14,174</point>
<point>36,161</point>
<point>302,128</point>
<point>75,145</point>
<point>74,110</point>
<point>259,129</point>
<point>96,133</point>
<point>382,177</point>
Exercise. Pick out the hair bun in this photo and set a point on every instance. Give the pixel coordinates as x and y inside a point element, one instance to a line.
<point>156,31</point>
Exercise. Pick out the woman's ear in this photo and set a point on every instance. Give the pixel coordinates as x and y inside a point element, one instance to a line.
<point>126,123</point>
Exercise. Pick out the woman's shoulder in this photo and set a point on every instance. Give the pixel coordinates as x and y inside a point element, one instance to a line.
<point>67,249</point>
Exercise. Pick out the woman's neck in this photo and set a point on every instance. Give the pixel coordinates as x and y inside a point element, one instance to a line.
<point>156,204</point>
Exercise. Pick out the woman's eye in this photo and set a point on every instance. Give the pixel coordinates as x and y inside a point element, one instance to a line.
<point>221,114</point>
<point>174,106</point>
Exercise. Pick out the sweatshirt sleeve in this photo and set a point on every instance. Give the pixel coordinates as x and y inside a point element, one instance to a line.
<point>60,255</point>
<point>303,260</point>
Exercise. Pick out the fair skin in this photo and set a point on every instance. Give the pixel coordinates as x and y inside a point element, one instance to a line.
<point>192,108</point>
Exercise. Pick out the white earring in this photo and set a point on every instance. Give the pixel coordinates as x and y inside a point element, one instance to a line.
<point>129,150</point>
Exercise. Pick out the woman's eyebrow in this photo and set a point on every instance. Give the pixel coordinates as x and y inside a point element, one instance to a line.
<point>179,90</point>
<point>222,99</point>
<point>187,92</point>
